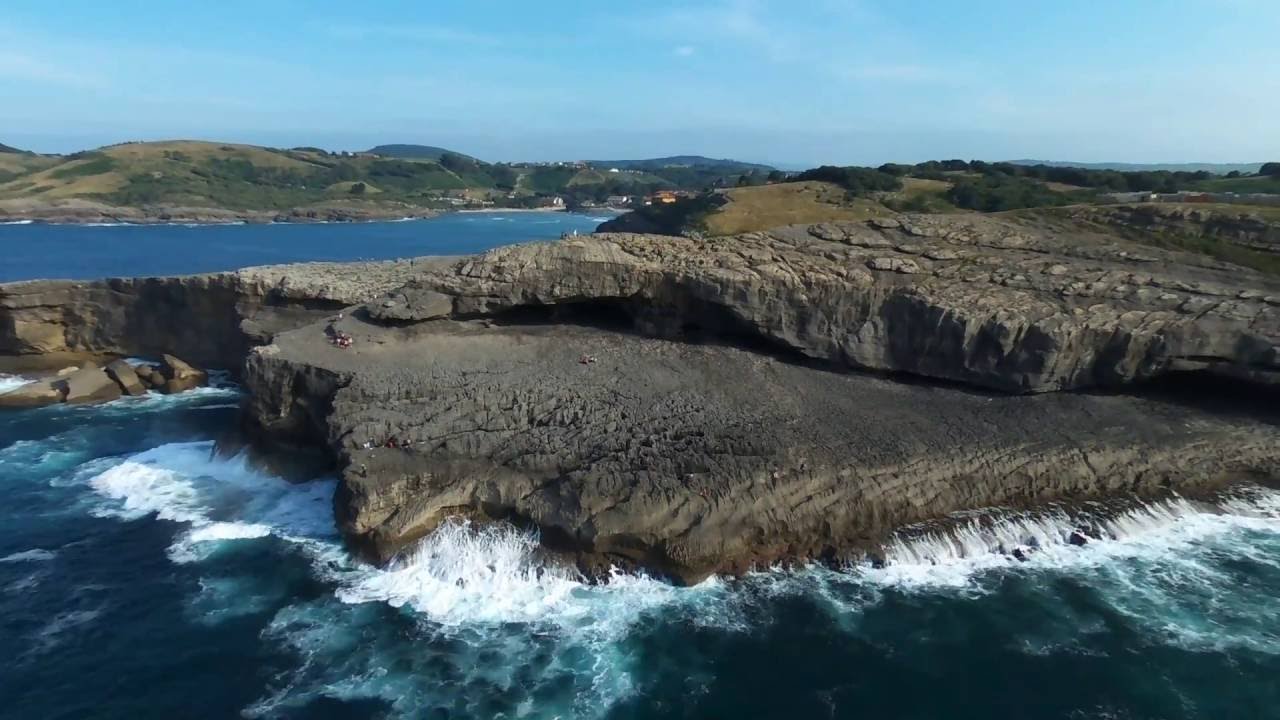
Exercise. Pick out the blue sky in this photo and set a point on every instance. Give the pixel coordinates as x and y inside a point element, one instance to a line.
<point>795,82</point>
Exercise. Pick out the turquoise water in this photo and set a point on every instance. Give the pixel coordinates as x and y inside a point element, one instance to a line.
<point>142,575</point>
<point>81,252</point>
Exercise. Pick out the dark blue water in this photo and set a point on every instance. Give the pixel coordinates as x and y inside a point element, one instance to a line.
<point>87,252</point>
<point>143,576</point>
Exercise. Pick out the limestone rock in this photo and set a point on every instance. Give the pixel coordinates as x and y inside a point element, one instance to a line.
<point>150,376</point>
<point>686,458</point>
<point>33,394</point>
<point>1003,317</point>
<point>89,385</point>
<point>211,320</point>
<point>124,375</point>
<point>412,305</point>
<point>179,376</point>
<point>905,266</point>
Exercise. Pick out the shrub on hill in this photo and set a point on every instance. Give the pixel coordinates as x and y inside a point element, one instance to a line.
<point>96,165</point>
<point>996,193</point>
<point>858,181</point>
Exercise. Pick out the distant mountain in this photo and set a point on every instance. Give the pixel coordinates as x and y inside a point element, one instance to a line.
<point>7,149</point>
<point>415,152</point>
<point>1216,168</point>
<point>681,161</point>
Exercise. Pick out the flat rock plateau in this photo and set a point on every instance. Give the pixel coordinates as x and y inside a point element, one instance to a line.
<point>691,406</point>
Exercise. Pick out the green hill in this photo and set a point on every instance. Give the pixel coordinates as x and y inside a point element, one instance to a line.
<point>1215,168</point>
<point>198,174</point>
<point>222,175</point>
<point>681,161</point>
<point>416,152</point>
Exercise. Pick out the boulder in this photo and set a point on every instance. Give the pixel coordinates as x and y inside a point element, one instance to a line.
<point>124,375</point>
<point>89,385</point>
<point>149,376</point>
<point>179,376</point>
<point>36,394</point>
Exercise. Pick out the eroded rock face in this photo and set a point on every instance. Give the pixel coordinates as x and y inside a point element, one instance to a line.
<point>211,320</point>
<point>688,458</point>
<point>971,299</point>
<point>725,432</point>
<point>514,386</point>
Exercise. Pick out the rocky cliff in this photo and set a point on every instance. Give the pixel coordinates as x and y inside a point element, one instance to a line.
<point>692,405</point>
<point>686,405</point>
<point>970,299</point>
<point>1236,225</point>
<point>211,319</point>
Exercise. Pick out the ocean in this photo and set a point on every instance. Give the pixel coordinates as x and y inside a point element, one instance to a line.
<point>87,252</point>
<point>145,574</point>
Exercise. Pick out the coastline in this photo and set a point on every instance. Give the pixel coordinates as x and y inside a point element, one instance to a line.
<point>814,459</point>
<point>475,211</point>
<point>217,217</point>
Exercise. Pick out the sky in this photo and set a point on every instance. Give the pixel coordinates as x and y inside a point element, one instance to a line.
<point>788,82</point>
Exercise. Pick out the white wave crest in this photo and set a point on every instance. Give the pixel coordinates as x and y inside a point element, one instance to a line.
<point>482,594</point>
<point>1174,568</point>
<point>460,574</point>
<point>223,499</point>
<point>34,555</point>
<point>11,382</point>
<point>951,557</point>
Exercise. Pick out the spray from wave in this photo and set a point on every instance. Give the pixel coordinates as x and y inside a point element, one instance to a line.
<point>440,626</point>
<point>11,382</point>
<point>1061,540</point>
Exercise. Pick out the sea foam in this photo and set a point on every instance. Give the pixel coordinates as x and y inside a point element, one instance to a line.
<point>11,382</point>
<point>480,595</point>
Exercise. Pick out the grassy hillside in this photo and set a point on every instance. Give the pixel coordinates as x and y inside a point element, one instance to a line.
<point>769,206</point>
<point>761,207</point>
<point>681,161</point>
<point>239,177</point>
<point>1215,168</point>
<point>1253,184</point>
<point>15,164</point>
<point>196,174</point>
<point>415,152</point>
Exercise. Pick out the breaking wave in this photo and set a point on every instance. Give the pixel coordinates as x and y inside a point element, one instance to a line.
<point>11,382</point>
<point>485,589</point>
<point>436,628</point>
<point>955,556</point>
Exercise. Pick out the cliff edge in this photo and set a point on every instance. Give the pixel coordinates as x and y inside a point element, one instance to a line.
<point>685,405</point>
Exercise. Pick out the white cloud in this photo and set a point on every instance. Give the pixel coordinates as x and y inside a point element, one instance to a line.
<point>685,51</point>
